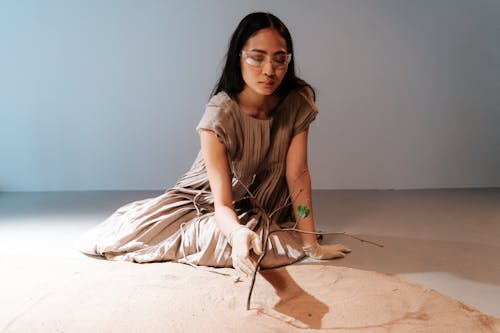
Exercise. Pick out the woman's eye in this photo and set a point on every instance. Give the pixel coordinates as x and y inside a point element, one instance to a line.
<point>280,60</point>
<point>257,58</point>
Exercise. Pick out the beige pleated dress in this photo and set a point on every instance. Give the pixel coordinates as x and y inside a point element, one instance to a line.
<point>179,225</point>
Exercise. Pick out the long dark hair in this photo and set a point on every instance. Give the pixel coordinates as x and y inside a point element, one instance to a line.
<point>231,80</point>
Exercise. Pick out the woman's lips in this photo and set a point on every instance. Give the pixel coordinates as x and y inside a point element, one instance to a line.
<point>267,83</point>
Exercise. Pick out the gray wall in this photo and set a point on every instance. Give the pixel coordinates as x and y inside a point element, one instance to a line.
<point>98,95</point>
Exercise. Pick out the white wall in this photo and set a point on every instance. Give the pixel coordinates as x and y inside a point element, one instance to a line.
<point>104,95</point>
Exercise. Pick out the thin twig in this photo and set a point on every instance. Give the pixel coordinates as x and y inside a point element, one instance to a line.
<point>266,228</point>
<point>267,223</point>
<point>285,205</point>
<point>289,201</point>
<point>328,233</point>
<point>257,266</point>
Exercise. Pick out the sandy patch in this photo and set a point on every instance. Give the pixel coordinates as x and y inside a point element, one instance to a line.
<point>82,294</point>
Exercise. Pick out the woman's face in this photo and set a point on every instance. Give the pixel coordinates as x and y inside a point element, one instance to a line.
<point>260,73</point>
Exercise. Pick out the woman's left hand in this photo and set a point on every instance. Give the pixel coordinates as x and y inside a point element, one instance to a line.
<point>329,251</point>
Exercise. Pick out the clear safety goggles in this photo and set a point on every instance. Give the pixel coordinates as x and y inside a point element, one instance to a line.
<point>258,59</point>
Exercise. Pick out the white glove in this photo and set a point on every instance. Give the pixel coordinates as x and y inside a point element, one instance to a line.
<point>333,251</point>
<point>242,240</point>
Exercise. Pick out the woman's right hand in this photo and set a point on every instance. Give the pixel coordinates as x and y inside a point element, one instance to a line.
<point>242,241</point>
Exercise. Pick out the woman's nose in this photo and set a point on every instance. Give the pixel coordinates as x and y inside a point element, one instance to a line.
<point>268,68</point>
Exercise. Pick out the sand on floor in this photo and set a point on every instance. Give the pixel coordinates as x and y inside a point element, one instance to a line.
<point>85,294</point>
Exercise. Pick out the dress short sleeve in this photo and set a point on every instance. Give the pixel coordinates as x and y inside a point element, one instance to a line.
<point>219,118</point>
<point>306,111</point>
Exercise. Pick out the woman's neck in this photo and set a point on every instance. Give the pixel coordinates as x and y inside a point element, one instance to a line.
<point>256,105</point>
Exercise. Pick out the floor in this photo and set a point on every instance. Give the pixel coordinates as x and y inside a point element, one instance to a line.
<point>447,240</point>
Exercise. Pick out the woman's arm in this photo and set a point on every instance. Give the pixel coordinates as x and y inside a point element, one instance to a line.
<point>299,180</point>
<point>241,239</point>
<point>299,184</point>
<point>219,176</point>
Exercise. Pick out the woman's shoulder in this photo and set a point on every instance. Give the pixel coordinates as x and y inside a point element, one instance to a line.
<point>307,93</point>
<point>221,100</point>
<point>220,108</point>
<point>303,96</point>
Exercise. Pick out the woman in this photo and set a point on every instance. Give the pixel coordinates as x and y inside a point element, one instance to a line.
<point>253,161</point>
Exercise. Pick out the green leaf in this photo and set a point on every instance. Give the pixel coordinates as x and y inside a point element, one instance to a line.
<point>303,211</point>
